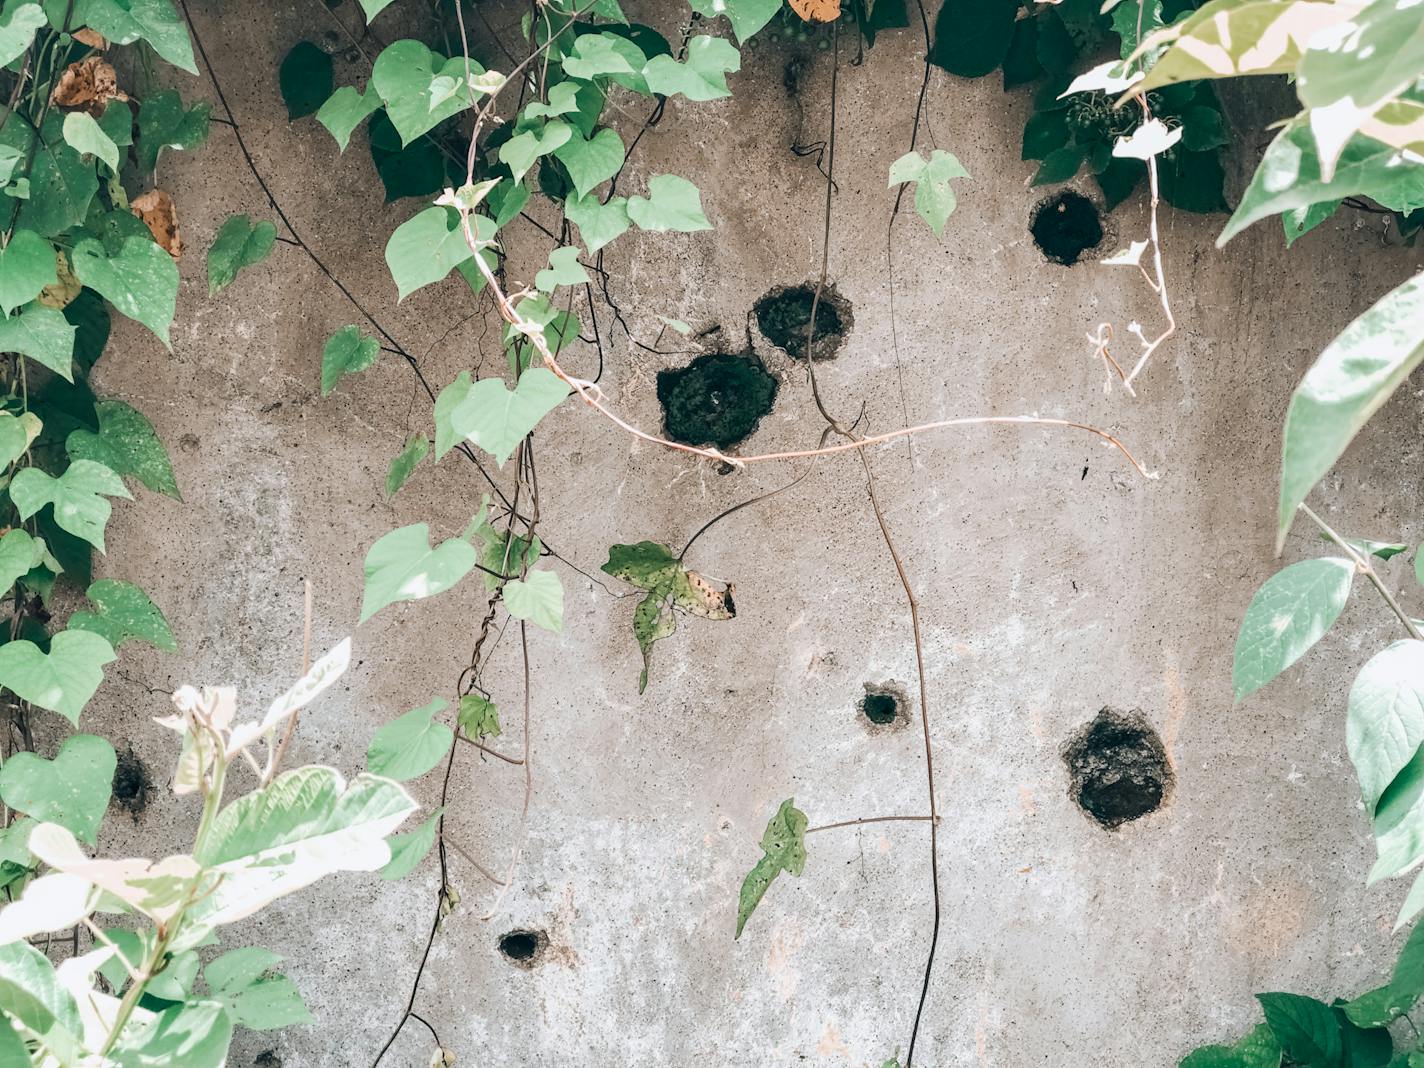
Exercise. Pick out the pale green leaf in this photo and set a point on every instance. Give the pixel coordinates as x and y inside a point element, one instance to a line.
<point>704,74</point>
<point>410,745</point>
<point>19,554</point>
<point>164,123</point>
<point>1384,727</point>
<point>605,55</point>
<point>31,992</point>
<point>447,402</point>
<point>71,790</point>
<point>497,419</point>
<point>27,265</point>
<point>195,1034</point>
<point>746,16</point>
<point>87,138</point>
<point>239,243</point>
<point>17,434</point>
<point>372,8</point>
<point>62,680</point>
<point>77,496</point>
<point>426,247</point>
<point>934,197</point>
<point>672,203</point>
<point>346,109</point>
<point>17,30</point>
<point>1372,56</point>
<point>126,21</point>
<point>1346,385</point>
<point>408,850</point>
<point>1288,615</point>
<point>402,566</point>
<point>128,444</point>
<point>141,280</point>
<point>124,612</point>
<point>538,597</point>
<point>564,270</point>
<point>523,150</point>
<point>478,716</point>
<point>591,161</point>
<point>44,335</point>
<point>405,462</point>
<point>242,980</point>
<point>598,223</point>
<point>783,847</point>
<point>407,76</point>
<point>347,352</point>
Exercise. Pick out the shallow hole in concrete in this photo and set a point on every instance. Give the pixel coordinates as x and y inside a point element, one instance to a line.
<point>784,314</point>
<point>268,1059</point>
<point>523,948</point>
<point>131,782</point>
<point>1118,768</point>
<point>717,399</point>
<point>1065,226</point>
<point>884,706</point>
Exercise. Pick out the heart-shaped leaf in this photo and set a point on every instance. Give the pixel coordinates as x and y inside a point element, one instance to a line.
<point>79,506</point>
<point>62,680</point>
<point>71,790</point>
<point>402,566</point>
<point>141,280</point>
<point>497,419</point>
<point>27,265</point>
<point>410,745</point>
<point>123,612</point>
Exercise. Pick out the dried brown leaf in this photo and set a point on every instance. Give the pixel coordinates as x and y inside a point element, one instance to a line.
<point>65,289</point>
<point>817,10</point>
<point>92,38</point>
<point>89,84</point>
<point>160,215</point>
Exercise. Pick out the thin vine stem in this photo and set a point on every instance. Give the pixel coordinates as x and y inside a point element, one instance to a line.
<point>1362,564</point>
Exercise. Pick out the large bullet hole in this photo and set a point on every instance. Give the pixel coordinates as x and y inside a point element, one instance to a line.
<point>1066,226</point>
<point>1118,768</point>
<point>523,948</point>
<point>131,782</point>
<point>884,705</point>
<point>717,399</point>
<point>784,314</point>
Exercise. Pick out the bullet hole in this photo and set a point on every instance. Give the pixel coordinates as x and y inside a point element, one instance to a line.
<point>267,1059</point>
<point>784,314</point>
<point>523,948</point>
<point>884,705</point>
<point>1066,226</point>
<point>716,400</point>
<point>131,783</point>
<point>1117,767</point>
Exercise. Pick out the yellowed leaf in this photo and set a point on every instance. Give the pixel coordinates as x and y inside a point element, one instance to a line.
<point>89,84</point>
<point>63,291</point>
<point>92,38</point>
<point>817,10</point>
<point>160,215</point>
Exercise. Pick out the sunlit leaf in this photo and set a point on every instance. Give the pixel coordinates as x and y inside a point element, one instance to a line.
<point>123,612</point>
<point>1288,615</point>
<point>783,847</point>
<point>61,680</point>
<point>410,745</point>
<point>402,566</point>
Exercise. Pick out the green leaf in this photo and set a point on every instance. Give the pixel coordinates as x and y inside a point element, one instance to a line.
<point>239,243</point>
<point>27,265</point>
<point>934,198</point>
<point>783,846</point>
<point>1289,177</point>
<point>538,597</point>
<point>1060,165</point>
<point>415,84</point>
<point>410,745</point>
<point>124,612</point>
<point>425,248</point>
<point>1384,727</point>
<point>1346,385</point>
<point>346,109</point>
<point>305,78</point>
<point>598,223</point>
<point>242,981</point>
<point>408,850</point>
<point>62,680</point>
<point>32,993</point>
<point>19,554</point>
<point>1307,1030</point>
<point>416,448</point>
<point>62,185</point>
<point>497,419</point>
<point>117,123</point>
<point>702,77</point>
<point>1288,615</point>
<point>195,1034</point>
<point>401,566</point>
<point>607,55</point>
<point>71,790</point>
<point>746,16</point>
<point>76,496</point>
<point>88,138</point>
<point>1378,54</point>
<point>592,161</point>
<point>42,334</point>
<point>564,270</point>
<point>971,37</point>
<point>17,433</point>
<point>1379,1007</point>
<point>372,8</point>
<point>446,403</point>
<point>126,21</point>
<point>128,444</point>
<point>1259,1049</point>
<point>478,716</point>
<point>141,280</point>
<point>1300,221</point>
<point>1407,982</point>
<point>163,123</point>
<point>347,352</point>
<point>523,150</point>
<point>672,203</point>
<point>17,30</point>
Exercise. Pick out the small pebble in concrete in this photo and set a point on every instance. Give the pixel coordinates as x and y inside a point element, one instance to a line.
<point>523,948</point>
<point>784,314</point>
<point>1118,769</point>
<point>717,399</point>
<point>1065,226</point>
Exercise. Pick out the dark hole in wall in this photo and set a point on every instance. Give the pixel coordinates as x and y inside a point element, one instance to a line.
<point>1065,226</point>
<point>522,947</point>
<point>717,399</point>
<point>884,706</point>
<point>784,314</point>
<point>1118,768</point>
<point>131,782</point>
<point>268,1059</point>
<point>880,708</point>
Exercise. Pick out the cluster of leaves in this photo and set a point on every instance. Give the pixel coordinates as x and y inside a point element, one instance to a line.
<point>1304,1031</point>
<point>1045,44</point>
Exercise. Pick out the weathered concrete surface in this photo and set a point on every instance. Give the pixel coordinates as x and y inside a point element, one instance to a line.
<point>1053,581</point>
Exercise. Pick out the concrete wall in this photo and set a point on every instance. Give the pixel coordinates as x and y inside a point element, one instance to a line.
<point>1053,581</point>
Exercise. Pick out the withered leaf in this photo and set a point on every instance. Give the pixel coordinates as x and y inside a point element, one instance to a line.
<point>817,10</point>
<point>65,289</point>
<point>89,84</point>
<point>92,38</point>
<point>160,215</point>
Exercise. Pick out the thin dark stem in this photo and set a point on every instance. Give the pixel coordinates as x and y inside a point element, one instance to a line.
<point>872,819</point>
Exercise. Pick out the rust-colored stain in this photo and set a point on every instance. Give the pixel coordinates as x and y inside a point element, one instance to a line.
<point>832,1043</point>
<point>1269,919</point>
<point>1176,712</point>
